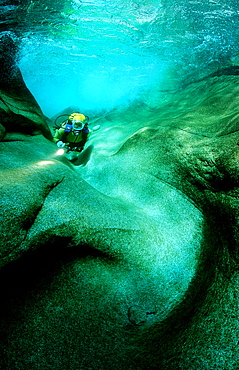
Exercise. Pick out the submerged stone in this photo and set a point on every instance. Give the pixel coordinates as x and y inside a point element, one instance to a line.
<point>129,261</point>
<point>19,110</point>
<point>151,237</point>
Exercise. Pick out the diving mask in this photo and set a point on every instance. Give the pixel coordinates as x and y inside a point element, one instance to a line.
<point>77,125</point>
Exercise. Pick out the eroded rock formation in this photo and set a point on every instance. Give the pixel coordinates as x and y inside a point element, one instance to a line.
<point>18,108</point>
<point>131,261</point>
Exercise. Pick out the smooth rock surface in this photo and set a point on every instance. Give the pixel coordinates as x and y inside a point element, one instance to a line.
<point>19,110</point>
<point>130,261</point>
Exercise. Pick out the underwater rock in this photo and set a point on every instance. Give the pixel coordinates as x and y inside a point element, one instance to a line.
<point>200,158</point>
<point>130,260</point>
<point>19,110</point>
<point>46,206</point>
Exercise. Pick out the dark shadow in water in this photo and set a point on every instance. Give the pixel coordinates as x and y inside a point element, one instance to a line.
<point>227,71</point>
<point>36,269</point>
<point>84,157</point>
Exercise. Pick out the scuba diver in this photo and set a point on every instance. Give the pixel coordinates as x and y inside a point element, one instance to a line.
<point>73,133</point>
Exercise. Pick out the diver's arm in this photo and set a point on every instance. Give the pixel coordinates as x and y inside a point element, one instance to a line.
<point>58,134</point>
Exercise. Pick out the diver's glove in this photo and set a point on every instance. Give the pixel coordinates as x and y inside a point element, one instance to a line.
<point>60,144</point>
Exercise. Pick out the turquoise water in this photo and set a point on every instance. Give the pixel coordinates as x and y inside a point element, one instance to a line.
<point>160,185</point>
<point>100,55</point>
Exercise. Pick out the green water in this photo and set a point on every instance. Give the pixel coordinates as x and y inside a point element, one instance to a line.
<point>154,230</point>
<point>99,55</point>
